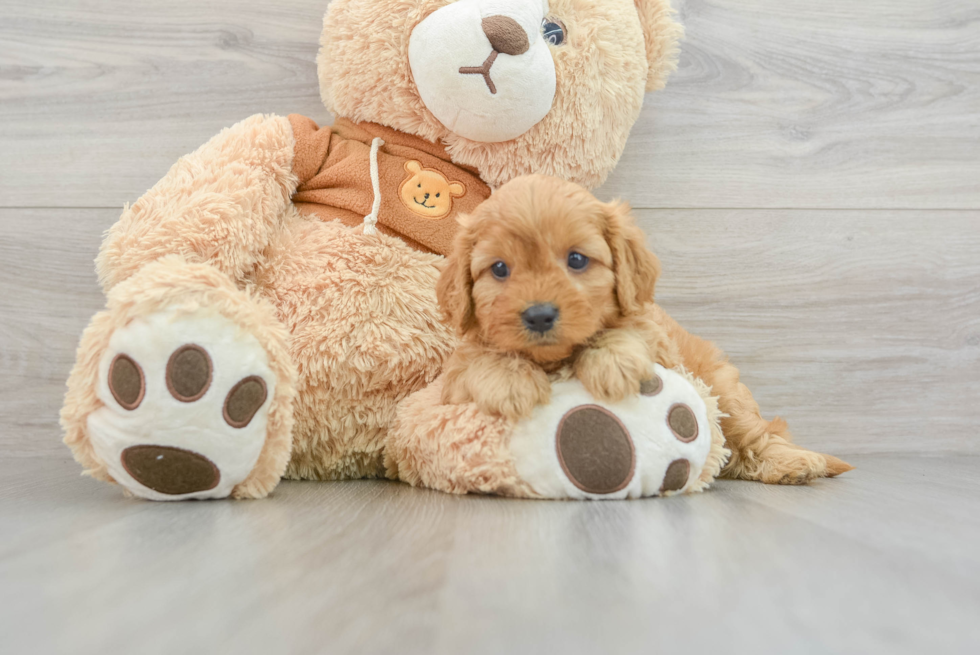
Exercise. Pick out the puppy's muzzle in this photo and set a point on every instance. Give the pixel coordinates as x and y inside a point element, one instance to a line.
<point>540,317</point>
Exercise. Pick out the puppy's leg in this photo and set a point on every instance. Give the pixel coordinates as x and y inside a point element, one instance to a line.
<point>615,363</point>
<point>499,383</point>
<point>761,449</point>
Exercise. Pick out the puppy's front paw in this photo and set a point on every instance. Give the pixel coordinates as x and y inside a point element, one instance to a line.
<point>610,374</point>
<point>455,391</point>
<point>514,397</point>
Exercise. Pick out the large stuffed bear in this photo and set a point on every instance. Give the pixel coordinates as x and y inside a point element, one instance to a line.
<point>270,301</point>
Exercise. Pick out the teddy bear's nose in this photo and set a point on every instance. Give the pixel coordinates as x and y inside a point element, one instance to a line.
<point>506,35</point>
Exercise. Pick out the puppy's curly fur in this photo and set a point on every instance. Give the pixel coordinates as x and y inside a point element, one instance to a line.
<point>530,229</point>
<point>524,248</point>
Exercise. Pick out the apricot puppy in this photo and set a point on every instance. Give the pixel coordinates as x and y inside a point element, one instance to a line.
<point>546,279</point>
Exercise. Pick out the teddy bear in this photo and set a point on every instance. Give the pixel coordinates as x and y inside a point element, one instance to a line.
<point>270,302</point>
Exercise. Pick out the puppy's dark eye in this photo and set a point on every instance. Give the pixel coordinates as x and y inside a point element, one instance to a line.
<point>500,271</point>
<point>553,31</point>
<point>577,261</point>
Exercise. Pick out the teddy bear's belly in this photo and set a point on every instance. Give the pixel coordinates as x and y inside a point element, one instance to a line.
<point>365,332</point>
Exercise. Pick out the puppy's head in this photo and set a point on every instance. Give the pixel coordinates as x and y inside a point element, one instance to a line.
<point>543,265</point>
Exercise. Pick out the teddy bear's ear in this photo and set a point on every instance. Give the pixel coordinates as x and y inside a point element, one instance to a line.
<point>662,34</point>
<point>413,166</point>
<point>457,189</point>
<point>635,267</point>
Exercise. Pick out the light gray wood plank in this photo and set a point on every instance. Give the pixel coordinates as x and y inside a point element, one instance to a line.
<point>99,98</point>
<point>860,328</point>
<point>722,568</point>
<point>49,293</point>
<point>833,104</point>
<point>777,103</point>
<point>925,500</point>
<point>374,567</point>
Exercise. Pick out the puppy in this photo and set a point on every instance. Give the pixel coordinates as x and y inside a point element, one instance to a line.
<point>545,279</point>
<point>547,282</point>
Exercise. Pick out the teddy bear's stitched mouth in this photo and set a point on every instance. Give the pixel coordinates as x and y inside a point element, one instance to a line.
<point>423,203</point>
<point>483,70</point>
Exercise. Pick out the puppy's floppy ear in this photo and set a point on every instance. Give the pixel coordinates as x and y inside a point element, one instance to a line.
<point>454,289</point>
<point>636,268</point>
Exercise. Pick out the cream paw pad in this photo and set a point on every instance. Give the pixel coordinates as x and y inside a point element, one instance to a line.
<point>185,406</point>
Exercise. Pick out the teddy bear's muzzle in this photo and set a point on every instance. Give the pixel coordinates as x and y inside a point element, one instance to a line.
<point>453,51</point>
<point>506,36</point>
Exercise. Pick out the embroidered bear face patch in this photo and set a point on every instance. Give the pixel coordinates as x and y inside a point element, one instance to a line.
<point>427,192</point>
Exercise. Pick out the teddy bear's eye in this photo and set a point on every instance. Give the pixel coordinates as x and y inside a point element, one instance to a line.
<point>553,31</point>
<point>438,194</point>
<point>500,271</point>
<point>420,186</point>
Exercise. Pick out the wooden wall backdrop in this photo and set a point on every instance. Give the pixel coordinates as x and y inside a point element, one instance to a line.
<point>810,179</point>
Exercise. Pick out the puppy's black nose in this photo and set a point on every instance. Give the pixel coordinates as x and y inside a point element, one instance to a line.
<point>540,318</point>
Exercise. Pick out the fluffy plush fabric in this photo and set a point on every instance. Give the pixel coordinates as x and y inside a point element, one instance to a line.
<point>223,204</point>
<point>365,332</point>
<point>663,36</point>
<point>452,448</point>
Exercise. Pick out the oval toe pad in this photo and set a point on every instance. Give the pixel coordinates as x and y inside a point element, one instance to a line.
<point>595,450</point>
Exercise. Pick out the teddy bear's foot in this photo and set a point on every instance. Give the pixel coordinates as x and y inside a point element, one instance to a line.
<point>183,388</point>
<point>185,406</point>
<point>665,441</point>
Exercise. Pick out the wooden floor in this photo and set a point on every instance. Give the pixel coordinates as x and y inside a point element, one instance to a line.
<point>811,181</point>
<point>883,561</point>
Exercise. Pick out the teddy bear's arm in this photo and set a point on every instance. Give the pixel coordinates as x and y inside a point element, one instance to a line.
<point>221,204</point>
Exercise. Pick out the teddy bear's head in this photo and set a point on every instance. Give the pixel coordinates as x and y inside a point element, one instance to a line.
<point>511,87</point>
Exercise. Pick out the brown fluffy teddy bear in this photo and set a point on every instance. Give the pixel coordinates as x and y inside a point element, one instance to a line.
<point>271,300</point>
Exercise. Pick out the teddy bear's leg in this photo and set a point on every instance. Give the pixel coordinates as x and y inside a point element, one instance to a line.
<point>761,450</point>
<point>452,448</point>
<point>666,440</point>
<point>183,387</point>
